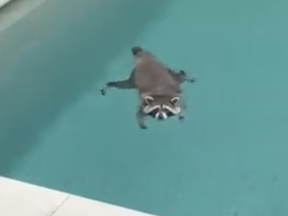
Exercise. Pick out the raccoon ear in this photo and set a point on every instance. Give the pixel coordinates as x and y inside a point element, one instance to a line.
<point>148,99</point>
<point>174,100</point>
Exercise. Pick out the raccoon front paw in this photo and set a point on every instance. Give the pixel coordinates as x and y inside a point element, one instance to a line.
<point>142,126</point>
<point>103,91</point>
<point>181,118</point>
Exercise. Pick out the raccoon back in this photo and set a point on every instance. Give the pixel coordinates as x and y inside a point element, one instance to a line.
<point>152,77</point>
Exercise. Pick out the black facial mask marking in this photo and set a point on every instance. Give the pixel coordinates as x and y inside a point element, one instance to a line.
<point>155,111</point>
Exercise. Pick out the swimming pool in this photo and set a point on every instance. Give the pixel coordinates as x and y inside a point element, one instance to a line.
<point>230,155</point>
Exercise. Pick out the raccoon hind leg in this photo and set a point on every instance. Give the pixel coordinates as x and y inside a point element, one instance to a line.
<point>185,77</point>
<point>123,84</point>
<point>181,76</point>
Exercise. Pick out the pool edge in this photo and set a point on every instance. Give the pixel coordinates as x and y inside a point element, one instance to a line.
<point>23,199</point>
<point>4,2</point>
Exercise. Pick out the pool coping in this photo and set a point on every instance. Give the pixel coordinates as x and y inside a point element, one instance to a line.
<point>4,2</point>
<point>23,199</point>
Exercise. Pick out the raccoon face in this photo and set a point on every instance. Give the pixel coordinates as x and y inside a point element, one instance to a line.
<point>162,107</point>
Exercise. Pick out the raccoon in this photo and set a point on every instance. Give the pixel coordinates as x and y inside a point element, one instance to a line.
<point>158,86</point>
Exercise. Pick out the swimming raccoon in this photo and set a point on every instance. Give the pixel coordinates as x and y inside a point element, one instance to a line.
<point>158,86</point>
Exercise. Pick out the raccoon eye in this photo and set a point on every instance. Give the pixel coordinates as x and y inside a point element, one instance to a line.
<point>174,100</point>
<point>148,99</point>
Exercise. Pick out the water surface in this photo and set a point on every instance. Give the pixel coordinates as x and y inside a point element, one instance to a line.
<point>229,156</point>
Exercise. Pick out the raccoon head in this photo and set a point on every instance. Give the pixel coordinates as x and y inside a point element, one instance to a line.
<point>161,107</point>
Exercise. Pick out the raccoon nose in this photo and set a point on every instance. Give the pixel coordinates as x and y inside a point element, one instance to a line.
<point>162,116</point>
<point>136,49</point>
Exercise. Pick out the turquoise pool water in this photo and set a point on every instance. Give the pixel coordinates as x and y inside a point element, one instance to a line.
<point>229,157</point>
